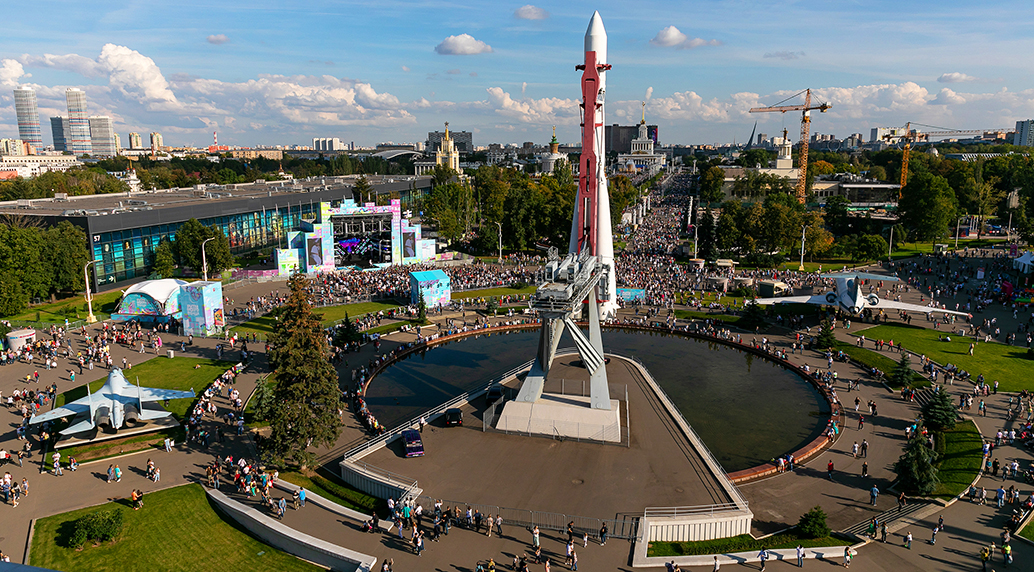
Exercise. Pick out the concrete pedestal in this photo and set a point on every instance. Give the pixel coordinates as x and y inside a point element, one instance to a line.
<point>567,416</point>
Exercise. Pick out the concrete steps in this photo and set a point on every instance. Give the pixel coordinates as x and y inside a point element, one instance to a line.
<point>891,516</point>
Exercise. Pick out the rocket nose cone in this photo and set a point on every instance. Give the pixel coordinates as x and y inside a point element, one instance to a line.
<point>596,36</point>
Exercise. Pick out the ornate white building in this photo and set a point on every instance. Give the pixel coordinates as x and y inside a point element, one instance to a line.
<point>549,160</point>
<point>447,155</point>
<point>642,158</point>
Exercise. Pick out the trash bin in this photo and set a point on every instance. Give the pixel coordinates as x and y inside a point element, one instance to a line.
<point>171,354</point>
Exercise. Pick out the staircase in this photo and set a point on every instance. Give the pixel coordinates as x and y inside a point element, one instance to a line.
<point>890,517</point>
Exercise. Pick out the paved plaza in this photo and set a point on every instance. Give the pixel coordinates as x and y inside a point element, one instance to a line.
<point>492,473</point>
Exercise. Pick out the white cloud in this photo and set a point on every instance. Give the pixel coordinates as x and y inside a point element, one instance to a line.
<point>956,77</point>
<point>462,45</point>
<point>671,37</point>
<point>524,87</point>
<point>405,68</point>
<point>10,72</point>
<point>948,97</point>
<point>530,12</point>
<point>784,55</point>
<point>218,39</point>
<point>133,73</point>
<point>545,111</point>
<point>649,93</point>
<point>75,63</point>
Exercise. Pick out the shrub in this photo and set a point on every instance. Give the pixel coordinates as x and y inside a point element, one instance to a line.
<point>813,524</point>
<point>100,526</point>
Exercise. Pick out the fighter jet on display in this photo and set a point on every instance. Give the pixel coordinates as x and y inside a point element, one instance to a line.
<point>849,297</point>
<point>115,403</point>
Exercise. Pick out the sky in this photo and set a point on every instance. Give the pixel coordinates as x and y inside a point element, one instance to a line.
<point>266,73</point>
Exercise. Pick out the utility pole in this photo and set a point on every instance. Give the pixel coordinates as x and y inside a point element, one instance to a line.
<point>890,245</point>
<point>204,261</point>
<point>958,223</point>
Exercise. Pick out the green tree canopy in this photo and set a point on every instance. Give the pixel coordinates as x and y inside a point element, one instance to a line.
<point>361,190</point>
<point>915,469</point>
<point>928,205</point>
<point>164,260</point>
<point>939,414</point>
<point>902,376</point>
<point>307,395</point>
<point>711,182</point>
<point>189,238</point>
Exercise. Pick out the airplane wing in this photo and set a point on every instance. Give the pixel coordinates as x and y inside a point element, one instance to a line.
<point>892,305</point>
<point>863,276</point>
<point>147,394</point>
<point>68,410</point>
<point>816,299</point>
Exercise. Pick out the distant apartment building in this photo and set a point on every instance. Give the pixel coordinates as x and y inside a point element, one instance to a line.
<point>156,141</point>
<point>327,144</point>
<point>888,135</point>
<point>619,137</point>
<point>102,137</point>
<point>135,141</point>
<point>28,117</point>
<point>59,129</point>
<point>1024,133</point>
<point>462,141</point>
<point>273,154</point>
<point>77,136</point>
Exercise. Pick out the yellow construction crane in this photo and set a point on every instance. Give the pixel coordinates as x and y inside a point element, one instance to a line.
<point>913,135</point>
<point>806,109</point>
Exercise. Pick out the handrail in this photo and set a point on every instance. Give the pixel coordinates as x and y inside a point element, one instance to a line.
<point>674,511</point>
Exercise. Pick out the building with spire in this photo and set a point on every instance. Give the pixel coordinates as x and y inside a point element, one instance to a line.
<point>446,154</point>
<point>642,158</point>
<point>550,159</point>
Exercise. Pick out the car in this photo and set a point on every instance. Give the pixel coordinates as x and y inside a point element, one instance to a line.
<point>413,443</point>
<point>453,417</point>
<point>494,395</point>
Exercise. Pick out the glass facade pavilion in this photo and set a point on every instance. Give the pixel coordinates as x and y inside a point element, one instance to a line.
<point>123,231</point>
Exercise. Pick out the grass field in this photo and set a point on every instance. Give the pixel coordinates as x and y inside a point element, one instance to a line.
<point>329,315</point>
<point>998,362</point>
<point>741,543</point>
<point>165,535</point>
<point>960,455</point>
<point>71,308</point>
<point>489,292</point>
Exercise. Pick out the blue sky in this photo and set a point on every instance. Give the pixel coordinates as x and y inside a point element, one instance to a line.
<point>275,72</point>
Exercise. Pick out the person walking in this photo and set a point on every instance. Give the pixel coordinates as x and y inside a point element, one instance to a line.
<point>535,537</point>
<point>883,533</point>
<point>499,525</point>
<point>847,557</point>
<point>603,534</point>
<point>763,557</point>
<point>873,493</point>
<point>908,540</point>
<point>491,526</point>
<point>800,556</point>
<point>829,469</point>
<point>574,560</point>
<point>717,565</point>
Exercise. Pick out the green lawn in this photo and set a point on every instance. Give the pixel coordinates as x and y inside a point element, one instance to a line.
<point>330,314</point>
<point>741,543</point>
<point>960,456</point>
<point>338,492</point>
<point>165,535</point>
<point>998,362</point>
<point>1028,532</point>
<point>489,292</point>
<point>71,308</point>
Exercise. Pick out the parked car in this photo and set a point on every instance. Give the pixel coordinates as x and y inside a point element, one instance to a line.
<point>453,417</point>
<point>494,395</point>
<point>413,443</point>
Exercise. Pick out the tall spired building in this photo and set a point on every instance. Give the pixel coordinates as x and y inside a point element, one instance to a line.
<point>28,117</point>
<point>78,135</point>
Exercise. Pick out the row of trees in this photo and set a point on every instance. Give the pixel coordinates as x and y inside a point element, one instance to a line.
<point>527,210</point>
<point>38,262</point>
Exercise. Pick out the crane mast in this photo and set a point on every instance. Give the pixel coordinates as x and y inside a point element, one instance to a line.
<point>802,174</point>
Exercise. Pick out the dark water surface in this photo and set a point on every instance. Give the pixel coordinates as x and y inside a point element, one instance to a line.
<point>745,408</point>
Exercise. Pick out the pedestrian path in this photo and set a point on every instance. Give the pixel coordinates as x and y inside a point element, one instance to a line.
<point>891,517</point>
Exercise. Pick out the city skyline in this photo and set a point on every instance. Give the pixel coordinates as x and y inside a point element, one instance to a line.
<point>358,71</point>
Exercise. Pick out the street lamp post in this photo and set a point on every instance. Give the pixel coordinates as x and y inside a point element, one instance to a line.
<point>90,318</point>
<point>500,243</point>
<point>204,261</point>
<point>958,224</point>
<point>804,232</point>
<point>890,245</point>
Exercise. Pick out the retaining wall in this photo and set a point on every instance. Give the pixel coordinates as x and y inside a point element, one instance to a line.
<point>292,541</point>
<point>706,526</point>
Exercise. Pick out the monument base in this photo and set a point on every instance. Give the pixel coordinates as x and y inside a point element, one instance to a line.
<point>567,416</point>
<point>99,434</point>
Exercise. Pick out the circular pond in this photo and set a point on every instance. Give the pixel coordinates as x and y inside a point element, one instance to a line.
<point>746,409</point>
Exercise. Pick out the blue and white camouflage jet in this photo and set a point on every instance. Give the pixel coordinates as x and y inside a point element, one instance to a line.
<point>850,298</point>
<point>113,405</point>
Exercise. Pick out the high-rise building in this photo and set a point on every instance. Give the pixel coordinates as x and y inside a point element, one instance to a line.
<point>156,141</point>
<point>762,139</point>
<point>135,141</point>
<point>59,128</point>
<point>463,141</point>
<point>77,136</point>
<point>118,144</point>
<point>1024,133</point>
<point>102,137</point>
<point>28,117</point>
<point>327,144</point>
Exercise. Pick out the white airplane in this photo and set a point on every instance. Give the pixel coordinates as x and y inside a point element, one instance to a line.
<point>849,297</point>
<point>115,403</point>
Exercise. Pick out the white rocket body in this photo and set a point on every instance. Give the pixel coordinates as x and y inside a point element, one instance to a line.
<point>596,41</point>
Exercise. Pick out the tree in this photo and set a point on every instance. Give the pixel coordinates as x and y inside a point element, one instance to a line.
<point>988,198</point>
<point>869,247</point>
<point>837,216</point>
<point>347,332</point>
<point>65,252</point>
<point>928,205</point>
<point>711,182</point>
<point>812,524</point>
<point>441,174</point>
<point>902,375</point>
<point>706,235</point>
<point>877,172</point>
<point>307,395</point>
<point>265,399</point>
<point>939,414</point>
<point>915,469</point>
<point>189,238</point>
<point>361,190</point>
<point>754,158</point>
<point>421,308</point>
<point>164,260</point>
<point>826,339</point>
